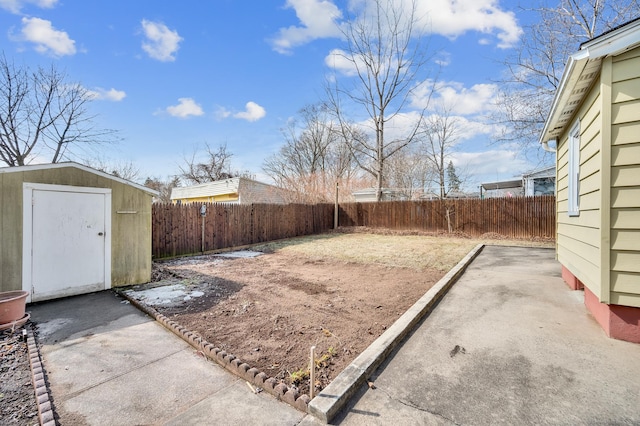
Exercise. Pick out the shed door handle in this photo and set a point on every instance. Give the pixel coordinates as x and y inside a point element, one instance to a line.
<point>101,233</point>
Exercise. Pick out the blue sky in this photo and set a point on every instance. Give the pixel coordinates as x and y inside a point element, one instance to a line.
<point>172,76</point>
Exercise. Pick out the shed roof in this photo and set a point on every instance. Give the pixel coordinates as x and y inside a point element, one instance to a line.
<point>583,67</point>
<point>73,164</point>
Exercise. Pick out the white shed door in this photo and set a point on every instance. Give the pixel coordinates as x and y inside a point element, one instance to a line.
<point>68,242</point>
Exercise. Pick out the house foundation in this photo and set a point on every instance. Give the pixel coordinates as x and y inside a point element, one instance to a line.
<point>571,280</point>
<point>618,322</point>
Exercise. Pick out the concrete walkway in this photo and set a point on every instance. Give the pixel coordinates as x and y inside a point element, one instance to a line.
<point>110,364</point>
<point>509,344</point>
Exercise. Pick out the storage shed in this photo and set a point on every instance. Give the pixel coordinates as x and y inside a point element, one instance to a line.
<point>67,229</point>
<point>595,121</point>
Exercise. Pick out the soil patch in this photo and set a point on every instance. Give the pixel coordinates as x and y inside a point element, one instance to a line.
<point>336,292</point>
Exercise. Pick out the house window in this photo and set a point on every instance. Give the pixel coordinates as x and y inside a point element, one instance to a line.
<point>574,170</point>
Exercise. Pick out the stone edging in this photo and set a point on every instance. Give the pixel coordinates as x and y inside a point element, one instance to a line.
<point>45,409</point>
<point>241,369</point>
<point>335,395</point>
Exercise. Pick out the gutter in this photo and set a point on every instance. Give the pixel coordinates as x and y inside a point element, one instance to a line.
<point>546,147</point>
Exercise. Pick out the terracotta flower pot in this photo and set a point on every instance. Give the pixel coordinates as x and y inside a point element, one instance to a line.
<point>12,305</point>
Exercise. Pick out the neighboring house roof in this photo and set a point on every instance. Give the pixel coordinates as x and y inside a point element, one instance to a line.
<point>249,190</point>
<point>77,166</point>
<point>502,184</point>
<point>370,191</point>
<point>545,172</point>
<point>549,171</point>
<point>583,67</point>
<point>369,194</point>
<point>209,189</point>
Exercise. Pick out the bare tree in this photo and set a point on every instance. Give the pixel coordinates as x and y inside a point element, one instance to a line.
<point>410,173</point>
<point>535,70</point>
<point>43,115</point>
<point>216,166</point>
<point>119,168</point>
<point>163,186</point>
<point>313,159</point>
<point>386,56</point>
<point>440,133</point>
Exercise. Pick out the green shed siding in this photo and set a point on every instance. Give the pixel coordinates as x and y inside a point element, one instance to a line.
<point>625,179</point>
<point>130,223</point>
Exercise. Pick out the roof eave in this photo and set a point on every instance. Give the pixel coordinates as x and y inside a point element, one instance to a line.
<point>77,166</point>
<point>612,43</point>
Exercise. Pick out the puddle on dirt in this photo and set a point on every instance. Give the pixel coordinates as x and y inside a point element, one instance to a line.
<point>165,295</point>
<point>241,254</point>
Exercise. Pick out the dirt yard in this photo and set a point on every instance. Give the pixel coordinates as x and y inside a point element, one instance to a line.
<point>337,292</point>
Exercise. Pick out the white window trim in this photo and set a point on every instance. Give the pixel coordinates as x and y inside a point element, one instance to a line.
<point>573,182</point>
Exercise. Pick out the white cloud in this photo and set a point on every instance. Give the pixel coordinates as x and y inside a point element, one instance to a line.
<point>454,18</point>
<point>443,59</point>
<point>252,112</point>
<point>47,39</point>
<point>222,113</point>
<point>337,59</point>
<point>186,108</point>
<point>455,97</point>
<point>14,6</point>
<point>317,20</point>
<point>492,165</point>
<point>161,43</point>
<point>107,95</point>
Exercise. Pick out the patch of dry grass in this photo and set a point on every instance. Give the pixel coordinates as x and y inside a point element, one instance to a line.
<point>404,251</point>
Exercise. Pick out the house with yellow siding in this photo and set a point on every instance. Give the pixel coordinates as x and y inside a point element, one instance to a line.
<point>234,190</point>
<point>594,123</point>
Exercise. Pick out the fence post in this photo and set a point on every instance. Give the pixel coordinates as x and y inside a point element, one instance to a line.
<point>335,213</point>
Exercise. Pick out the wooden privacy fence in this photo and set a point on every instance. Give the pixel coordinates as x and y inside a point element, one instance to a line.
<point>177,229</point>
<point>521,217</point>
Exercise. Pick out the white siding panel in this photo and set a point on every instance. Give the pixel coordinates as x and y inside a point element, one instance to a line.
<point>590,166</point>
<point>590,183</point>
<point>625,197</point>
<point>625,219</point>
<point>590,236</point>
<point>625,176</point>
<point>626,66</point>
<point>626,133</point>
<point>627,90</point>
<point>625,261</point>
<point>625,155</point>
<point>625,299</point>
<point>588,252</point>
<point>625,112</point>
<point>625,282</point>
<point>625,239</point>
<point>589,218</point>
<point>589,149</point>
